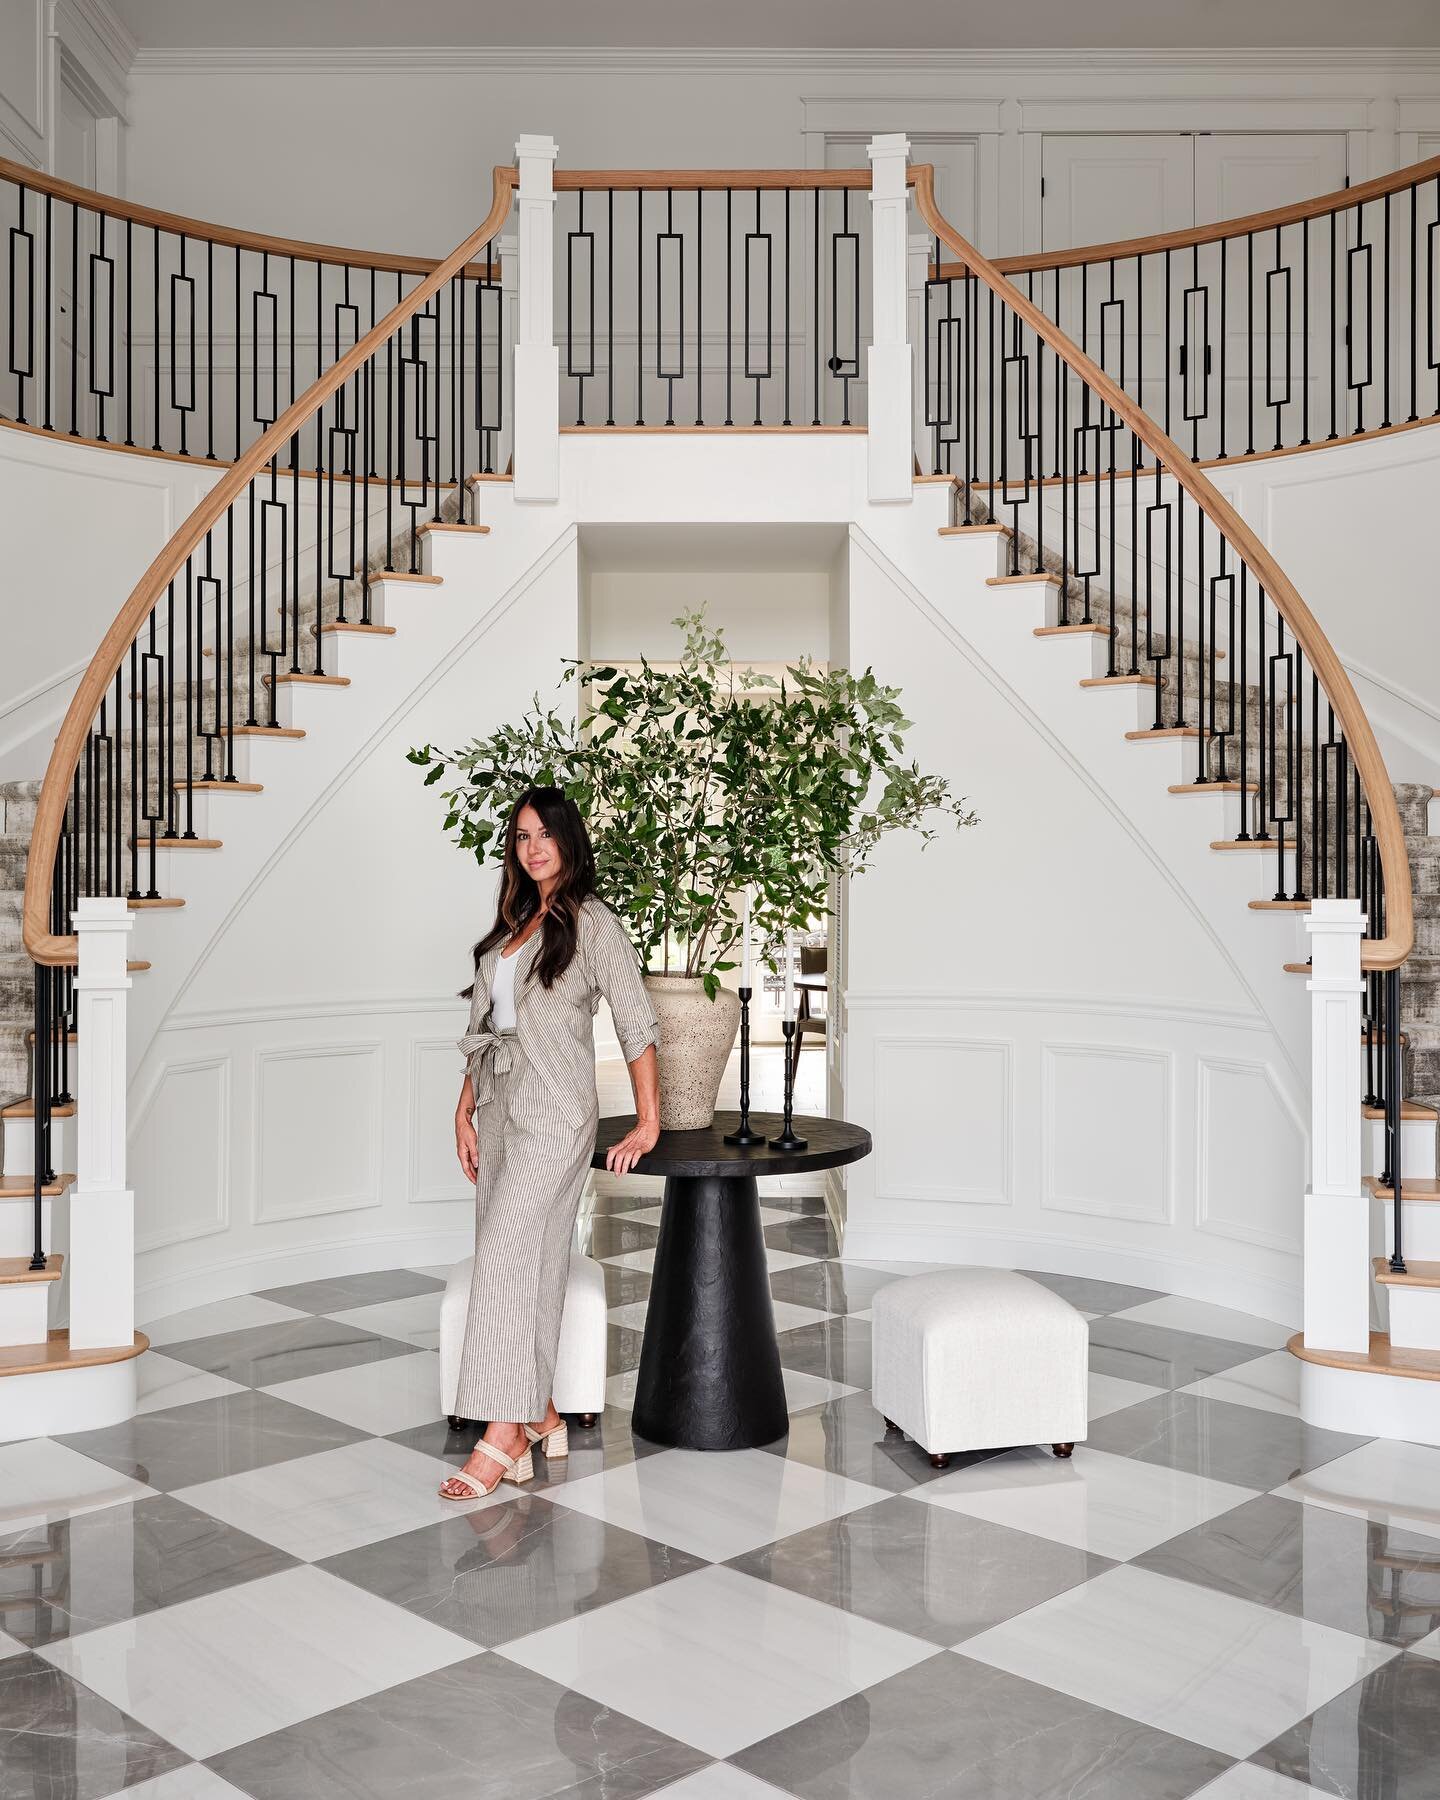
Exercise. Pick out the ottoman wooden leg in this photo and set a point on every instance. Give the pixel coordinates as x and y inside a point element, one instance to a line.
<point>586,1421</point>
<point>456,1423</point>
<point>939,1460</point>
<point>890,1425</point>
<point>1063,1449</point>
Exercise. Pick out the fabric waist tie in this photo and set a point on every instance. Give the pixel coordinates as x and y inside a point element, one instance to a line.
<point>487,1054</point>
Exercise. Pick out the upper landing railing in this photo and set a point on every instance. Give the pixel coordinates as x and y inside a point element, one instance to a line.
<point>1310,324</point>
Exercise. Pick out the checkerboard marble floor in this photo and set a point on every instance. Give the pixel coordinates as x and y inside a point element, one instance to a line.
<point>252,1588</point>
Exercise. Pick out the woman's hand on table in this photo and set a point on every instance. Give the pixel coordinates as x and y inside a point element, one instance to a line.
<point>638,1141</point>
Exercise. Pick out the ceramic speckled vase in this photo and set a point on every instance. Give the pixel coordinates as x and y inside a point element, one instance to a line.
<point>697,1035</point>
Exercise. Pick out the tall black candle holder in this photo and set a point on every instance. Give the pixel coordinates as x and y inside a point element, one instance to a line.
<point>744,1136</point>
<point>787,1139</point>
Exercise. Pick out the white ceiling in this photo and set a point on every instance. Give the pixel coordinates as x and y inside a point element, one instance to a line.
<point>782,24</point>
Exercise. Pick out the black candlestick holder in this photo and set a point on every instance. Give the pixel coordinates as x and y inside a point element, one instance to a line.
<point>787,1139</point>
<point>744,1136</point>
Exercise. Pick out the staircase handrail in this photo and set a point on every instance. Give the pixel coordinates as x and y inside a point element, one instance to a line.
<point>262,243</point>
<point>1293,213</point>
<point>1391,949</point>
<point>41,944</point>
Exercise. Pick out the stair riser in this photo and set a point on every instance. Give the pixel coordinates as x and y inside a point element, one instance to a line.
<point>1422,1229</point>
<point>1414,1318</point>
<point>17,1230</point>
<point>17,1147</point>
<point>1417,1148</point>
<point>24,1312</point>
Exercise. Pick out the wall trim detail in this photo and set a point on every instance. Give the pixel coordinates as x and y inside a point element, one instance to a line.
<point>1052,1054</point>
<point>954,1194</point>
<point>1028,1000</point>
<point>1205,1066</point>
<point>220,1220</point>
<point>415,1193</point>
<point>347,1048</point>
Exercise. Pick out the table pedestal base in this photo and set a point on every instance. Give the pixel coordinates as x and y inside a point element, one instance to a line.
<point>710,1367</point>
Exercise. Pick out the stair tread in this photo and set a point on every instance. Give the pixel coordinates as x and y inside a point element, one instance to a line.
<point>22,1187</point>
<point>1384,1358</point>
<point>1415,1274</point>
<point>15,1271</point>
<point>1409,1109</point>
<point>1422,1189</point>
<point>55,1353</point>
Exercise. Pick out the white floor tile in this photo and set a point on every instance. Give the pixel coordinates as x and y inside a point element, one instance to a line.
<point>436,1271</point>
<point>1248,1781</point>
<point>801,1390</point>
<point>1185,1659</point>
<point>221,1315</point>
<point>162,1381</point>
<point>193,1782</point>
<point>715,1506</point>
<point>722,1781</point>
<point>413,1320</point>
<point>379,1397</point>
<point>1429,1646</point>
<point>1108,1393</point>
<point>1391,1482</point>
<point>1113,1505</point>
<point>742,1658</point>
<point>1271,1383</point>
<point>215,1672</point>
<point>41,1481</point>
<point>1209,1321</point>
<point>775,1260</point>
<point>10,1646</point>
<point>317,1506</point>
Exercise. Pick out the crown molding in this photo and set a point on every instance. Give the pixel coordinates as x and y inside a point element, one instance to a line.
<point>579,59</point>
<point>96,44</point>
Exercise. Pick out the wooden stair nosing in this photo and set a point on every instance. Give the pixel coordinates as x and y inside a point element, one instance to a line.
<point>1069,630</point>
<point>451,527</point>
<point>972,530</point>
<point>1409,1109</point>
<point>142,905</point>
<point>1098,681</point>
<point>25,1109</point>
<point>351,625</point>
<point>1213,787</point>
<point>1276,846</point>
<point>15,1271</point>
<point>55,1353</point>
<point>1043,576</point>
<point>407,575</point>
<point>22,1187</point>
<point>299,678</point>
<point>1279,905</point>
<point>1384,1358</point>
<point>1415,1274</point>
<point>266,731</point>
<point>216,784</point>
<point>1425,1189</point>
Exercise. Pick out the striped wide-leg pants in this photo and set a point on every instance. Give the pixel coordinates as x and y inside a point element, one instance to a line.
<point>530,1175</point>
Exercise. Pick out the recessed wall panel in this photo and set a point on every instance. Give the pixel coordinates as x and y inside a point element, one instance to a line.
<point>1105,1112</point>
<point>943,1119</point>
<point>317,1130</point>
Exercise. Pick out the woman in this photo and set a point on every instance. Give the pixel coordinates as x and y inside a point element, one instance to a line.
<point>529,1083</point>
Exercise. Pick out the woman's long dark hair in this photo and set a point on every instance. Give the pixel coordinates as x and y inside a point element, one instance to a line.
<point>520,897</point>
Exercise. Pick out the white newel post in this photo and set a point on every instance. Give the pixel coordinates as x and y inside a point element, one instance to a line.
<point>102,1208</point>
<point>537,356</point>
<point>507,249</point>
<point>889,365</point>
<point>917,273</point>
<point>1337,1210</point>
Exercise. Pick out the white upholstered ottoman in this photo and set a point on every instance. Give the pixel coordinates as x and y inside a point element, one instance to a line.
<point>980,1359</point>
<point>579,1385</point>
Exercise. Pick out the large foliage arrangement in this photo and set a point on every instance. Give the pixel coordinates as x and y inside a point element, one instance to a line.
<point>701,780</point>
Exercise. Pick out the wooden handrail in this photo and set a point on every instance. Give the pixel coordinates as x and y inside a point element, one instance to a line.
<point>115,208</point>
<point>41,944</point>
<point>1386,952</point>
<point>1338,201</point>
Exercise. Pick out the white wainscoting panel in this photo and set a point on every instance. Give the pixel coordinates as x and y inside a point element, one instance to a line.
<point>1250,1156</point>
<point>434,1173</point>
<point>181,1145</point>
<point>960,1088</point>
<point>317,1129</point>
<point>1105,1124</point>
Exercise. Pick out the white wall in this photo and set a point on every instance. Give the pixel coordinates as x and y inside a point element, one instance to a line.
<point>393,149</point>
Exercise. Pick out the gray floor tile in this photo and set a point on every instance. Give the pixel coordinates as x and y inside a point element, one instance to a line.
<point>832,1287</point>
<point>814,1236</point>
<point>922,1569</point>
<point>1160,1356</point>
<point>1232,1443</point>
<point>1091,1295</point>
<point>340,1292</point>
<point>615,1235</point>
<point>484,1726</point>
<point>180,1445</point>
<point>838,1349</point>
<point>265,1354</point>
<point>1377,1738</point>
<point>848,1437</point>
<point>609,1444</point>
<point>611,1204</point>
<point>1333,1568</point>
<point>622,1348</point>
<point>119,1562</point>
<point>952,1729</point>
<point>509,1569</point>
<point>625,1285</point>
<point>60,1741</point>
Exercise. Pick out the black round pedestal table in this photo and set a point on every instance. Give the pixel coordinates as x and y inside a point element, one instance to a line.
<point>709,1366</point>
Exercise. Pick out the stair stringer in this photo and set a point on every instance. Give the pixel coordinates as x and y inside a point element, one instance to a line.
<point>991,628</point>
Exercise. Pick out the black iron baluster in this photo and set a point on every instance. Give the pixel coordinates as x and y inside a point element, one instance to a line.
<point>640,306</point>
<point>786,419</point>
<point>1304,331</point>
<point>74,321</point>
<point>1394,1116</point>
<point>155,339</point>
<point>699,306</point>
<point>129,336</point>
<point>1385,311</point>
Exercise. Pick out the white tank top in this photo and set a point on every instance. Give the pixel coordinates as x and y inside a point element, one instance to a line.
<point>502,993</point>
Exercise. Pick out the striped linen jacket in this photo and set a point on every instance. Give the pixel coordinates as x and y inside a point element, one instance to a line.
<point>554,1027</point>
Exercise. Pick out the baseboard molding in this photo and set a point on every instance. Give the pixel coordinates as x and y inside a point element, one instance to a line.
<point>1265,1297</point>
<point>165,1294</point>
